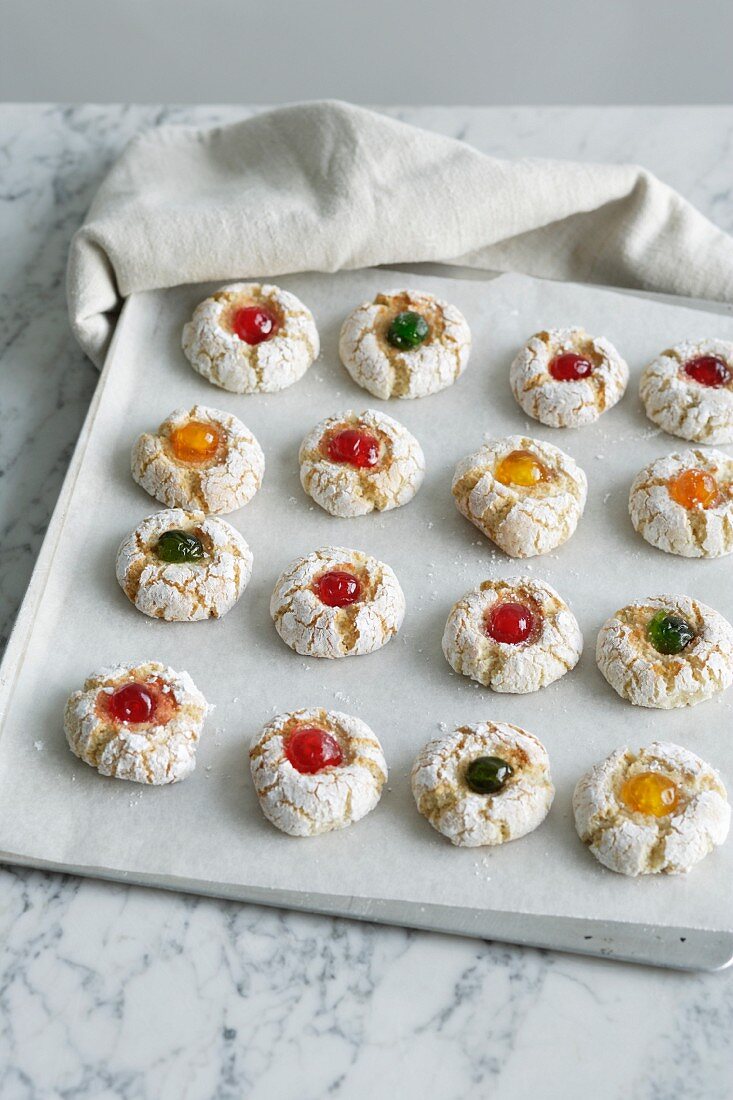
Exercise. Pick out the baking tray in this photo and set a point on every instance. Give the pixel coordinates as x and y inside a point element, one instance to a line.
<point>207,835</point>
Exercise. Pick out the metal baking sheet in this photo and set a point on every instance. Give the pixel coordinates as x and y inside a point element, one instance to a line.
<point>207,834</point>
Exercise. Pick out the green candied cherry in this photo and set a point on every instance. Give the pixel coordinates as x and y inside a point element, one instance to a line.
<point>407,330</point>
<point>179,547</point>
<point>669,633</point>
<point>488,774</point>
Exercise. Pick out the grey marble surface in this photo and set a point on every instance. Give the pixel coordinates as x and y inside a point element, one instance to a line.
<point>110,991</point>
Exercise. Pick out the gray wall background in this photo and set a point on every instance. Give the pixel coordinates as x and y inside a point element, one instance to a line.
<point>372,51</point>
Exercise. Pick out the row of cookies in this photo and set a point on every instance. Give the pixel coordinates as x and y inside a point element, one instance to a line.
<point>525,495</point>
<point>255,338</point>
<point>657,810</point>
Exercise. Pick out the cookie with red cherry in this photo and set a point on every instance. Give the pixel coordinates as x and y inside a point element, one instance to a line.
<point>201,459</point>
<point>515,635</point>
<point>337,602</point>
<point>360,462</point>
<point>688,390</point>
<point>316,770</point>
<point>138,722</point>
<point>565,378</point>
<point>251,338</point>
<point>405,343</point>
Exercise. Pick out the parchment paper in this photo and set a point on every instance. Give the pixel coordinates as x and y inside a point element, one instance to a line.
<point>55,809</point>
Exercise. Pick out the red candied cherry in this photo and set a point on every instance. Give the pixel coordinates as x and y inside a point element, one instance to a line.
<point>708,370</point>
<point>511,623</point>
<point>338,588</point>
<point>253,324</point>
<point>132,703</point>
<point>310,750</point>
<point>356,447</point>
<point>569,367</point>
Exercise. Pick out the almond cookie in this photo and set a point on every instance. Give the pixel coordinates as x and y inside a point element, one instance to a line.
<point>138,722</point>
<point>524,495</point>
<point>182,566</point>
<point>405,343</point>
<point>566,378</point>
<point>483,784</point>
<point>251,338</point>
<point>666,651</point>
<point>656,811</point>
<point>513,635</point>
<point>201,459</point>
<point>688,391</point>
<point>316,770</point>
<point>356,463</point>
<point>337,603</point>
<point>683,504</point>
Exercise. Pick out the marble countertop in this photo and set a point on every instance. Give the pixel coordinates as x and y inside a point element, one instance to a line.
<point>112,991</point>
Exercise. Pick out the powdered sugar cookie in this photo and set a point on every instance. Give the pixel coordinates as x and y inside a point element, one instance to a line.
<point>405,343</point>
<point>688,391</point>
<point>565,378</point>
<point>513,635</point>
<point>182,566</point>
<point>656,811</point>
<point>526,496</point>
<point>483,784</point>
<point>356,463</point>
<point>251,338</point>
<point>316,770</point>
<point>337,603</point>
<point>138,722</point>
<point>201,459</point>
<point>666,651</point>
<point>683,504</point>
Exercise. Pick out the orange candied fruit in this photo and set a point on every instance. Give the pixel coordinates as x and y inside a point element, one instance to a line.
<point>520,468</point>
<point>650,793</point>
<point>196,441</point>
<point>694,489</point>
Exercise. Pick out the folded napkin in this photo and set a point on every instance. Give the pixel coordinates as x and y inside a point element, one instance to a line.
<point>328,186</point>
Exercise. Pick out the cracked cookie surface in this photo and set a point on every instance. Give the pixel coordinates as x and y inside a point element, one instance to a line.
<point>683,503</point>
<point>632,842</point>
<point>682,406</point>
<point>158,750</point>
<point>523,520</point>
<point>333,797</point>
<point>388,371</point>
<point>552,646</point>
<point>471,819</point>
<point>313,628</point>
<point>636,669</point>
<point>189,590</point>
<point>386,478</point>
<point>570,402</point>
<point>215,351</point>
<point>217,482</point>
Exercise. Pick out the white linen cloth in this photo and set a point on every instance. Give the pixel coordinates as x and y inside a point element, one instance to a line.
<point>327,186</point>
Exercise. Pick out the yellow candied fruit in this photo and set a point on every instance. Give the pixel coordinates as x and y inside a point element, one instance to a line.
<point>520,468</point>
<point>694,489</point>
<point>196,441</point>
<point>650,793</point>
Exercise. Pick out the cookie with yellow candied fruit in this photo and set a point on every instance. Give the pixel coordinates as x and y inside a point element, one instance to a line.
<point>251,338</point>
<point>683,503</point>
<point>657,810</point>
<point>666,651</point>
<point>483,784</point>
<point>405,343</point>
<point>565,378</point>
<point>524,495</point>
<point>201,459</point>
<point>137,722</point>
<point>360,462</point>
